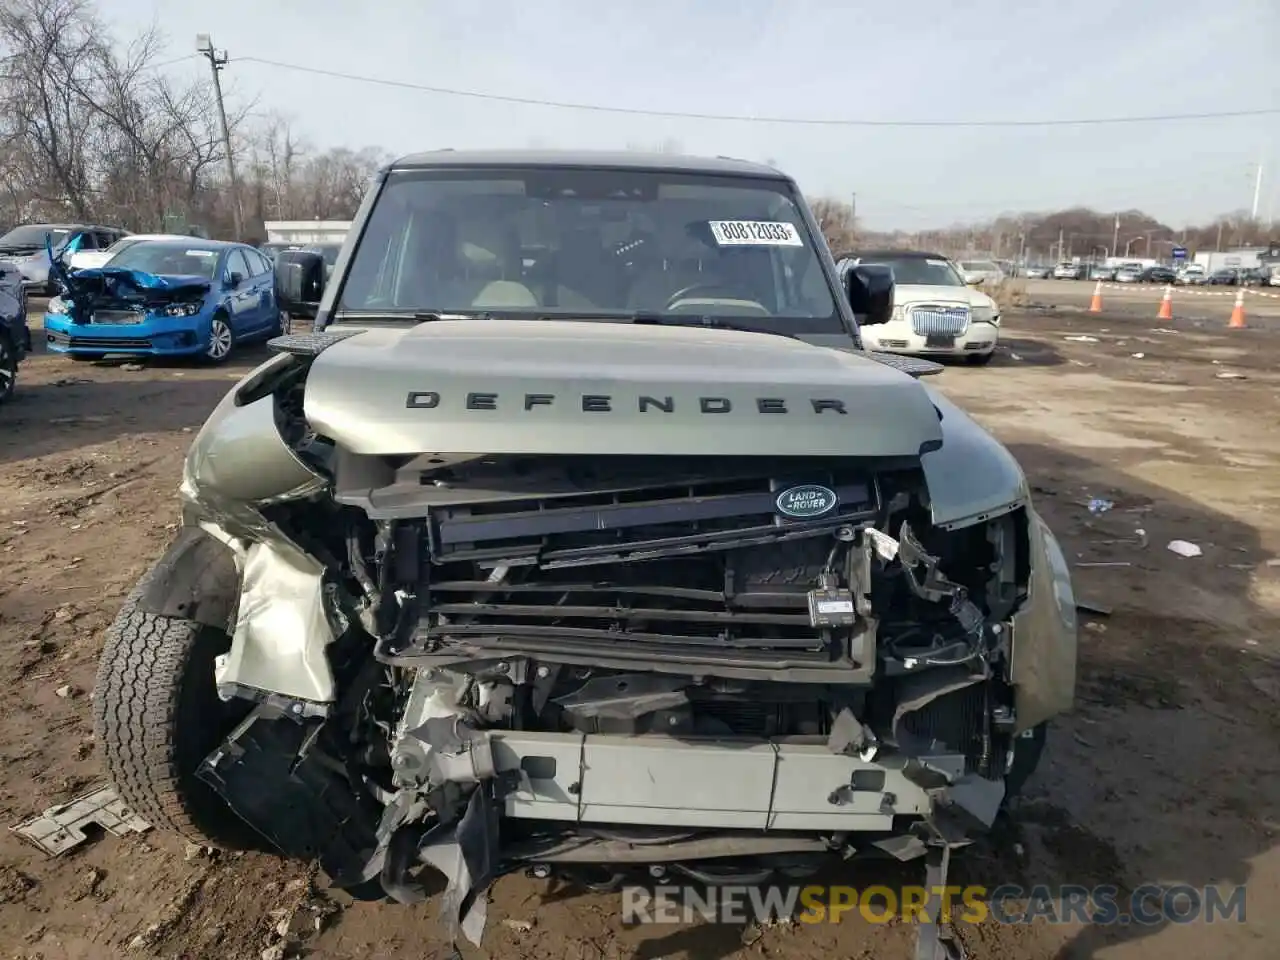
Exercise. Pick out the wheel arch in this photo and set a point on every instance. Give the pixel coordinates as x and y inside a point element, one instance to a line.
<point>197,579</point>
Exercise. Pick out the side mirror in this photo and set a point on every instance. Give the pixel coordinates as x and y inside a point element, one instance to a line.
<point>300,279</point>
<point>975,281</point>
<point>234,279</point>
<point>869,287</point>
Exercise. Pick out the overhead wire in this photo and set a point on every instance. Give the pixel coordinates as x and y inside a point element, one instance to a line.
<point>751,118</point>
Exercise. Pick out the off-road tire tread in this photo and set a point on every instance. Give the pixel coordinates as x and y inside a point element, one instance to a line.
<point>138,713</point>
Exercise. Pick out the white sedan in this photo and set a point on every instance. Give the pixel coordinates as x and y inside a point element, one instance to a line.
<point>935,313</point>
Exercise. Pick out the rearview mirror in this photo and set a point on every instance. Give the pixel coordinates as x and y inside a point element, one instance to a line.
<point>869,287</point>
<point>299,279</point>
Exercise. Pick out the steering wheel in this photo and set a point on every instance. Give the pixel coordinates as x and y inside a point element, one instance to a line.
<point>706,288</point>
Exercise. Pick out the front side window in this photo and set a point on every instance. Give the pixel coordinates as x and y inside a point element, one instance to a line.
<point>584,243</point>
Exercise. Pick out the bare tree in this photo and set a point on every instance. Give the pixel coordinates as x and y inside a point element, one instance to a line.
<point>50,48</point>
<point>837,222</point>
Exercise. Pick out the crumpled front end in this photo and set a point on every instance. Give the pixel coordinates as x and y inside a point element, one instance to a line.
<point>103,310</point>
<point>730,667</point>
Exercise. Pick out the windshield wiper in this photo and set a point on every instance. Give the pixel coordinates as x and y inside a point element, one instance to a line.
<point>417,316</point>
<point>653,318</point>
<point>426,316</point>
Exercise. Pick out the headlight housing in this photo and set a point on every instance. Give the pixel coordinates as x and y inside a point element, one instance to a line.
<point>899,313</point>
<point>983,314</point>
<point>180,309</point>
<point>58,306</point>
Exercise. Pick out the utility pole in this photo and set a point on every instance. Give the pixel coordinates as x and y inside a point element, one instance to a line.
<point>1257,194</point>
<point>1061,245</point>
<point>1115,236</point>
<point>204,46</point>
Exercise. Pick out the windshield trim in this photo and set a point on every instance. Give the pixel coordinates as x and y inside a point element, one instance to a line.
<point>846,323</point>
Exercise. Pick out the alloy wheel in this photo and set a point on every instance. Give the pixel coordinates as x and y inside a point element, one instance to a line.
<point>220,340</point>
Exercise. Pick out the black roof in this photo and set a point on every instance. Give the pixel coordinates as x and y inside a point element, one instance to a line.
<point>895,254</point>
<point>599,159</point>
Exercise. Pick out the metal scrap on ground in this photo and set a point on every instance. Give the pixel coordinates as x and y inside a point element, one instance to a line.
<point>62,827</point>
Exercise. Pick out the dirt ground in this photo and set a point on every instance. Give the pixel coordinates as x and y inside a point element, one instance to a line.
<point>1167,771</point>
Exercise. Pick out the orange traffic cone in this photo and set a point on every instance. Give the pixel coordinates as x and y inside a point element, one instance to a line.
<point>1237,312</point>
<point>1166,305</point>
<point>1095,305</point>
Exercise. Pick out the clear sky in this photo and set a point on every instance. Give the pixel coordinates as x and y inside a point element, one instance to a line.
<point>927,60</point>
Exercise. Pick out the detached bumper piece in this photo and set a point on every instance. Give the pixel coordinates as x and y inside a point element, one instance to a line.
<point>62,827</point>
<point>274,777</point>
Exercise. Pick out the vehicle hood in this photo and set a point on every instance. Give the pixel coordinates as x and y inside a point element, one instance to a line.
<point>565,387</point>
<point>905,294</point>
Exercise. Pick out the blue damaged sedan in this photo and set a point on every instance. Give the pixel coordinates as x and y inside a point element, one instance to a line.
<point>193,297</point>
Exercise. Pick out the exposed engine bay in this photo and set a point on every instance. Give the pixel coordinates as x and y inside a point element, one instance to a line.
<point>725,667</point>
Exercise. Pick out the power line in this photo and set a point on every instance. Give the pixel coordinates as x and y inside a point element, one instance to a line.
<point>743,118</point>
<point>170,63</point>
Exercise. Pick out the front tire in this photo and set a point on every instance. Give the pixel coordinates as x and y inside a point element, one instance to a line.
<point>221,340</point>
<point>157,715</point>
<point>980,359</point>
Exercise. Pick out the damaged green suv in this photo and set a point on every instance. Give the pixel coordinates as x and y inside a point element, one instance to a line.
<point>582,537</point>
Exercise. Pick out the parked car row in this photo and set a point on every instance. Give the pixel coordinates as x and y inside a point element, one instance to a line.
<point>116,292</point>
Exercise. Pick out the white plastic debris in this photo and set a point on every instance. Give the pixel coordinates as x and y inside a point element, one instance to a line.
<point>882,543</point>
<point>1082,338</point>
<point>1098,505</point>
<point>1229,375</point>
<point>1138,356</point>
<point>1185,548</point>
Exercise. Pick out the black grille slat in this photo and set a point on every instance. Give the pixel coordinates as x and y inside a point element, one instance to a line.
<point>717,641</point>
<point>795,597</point>
<point>562,611</point>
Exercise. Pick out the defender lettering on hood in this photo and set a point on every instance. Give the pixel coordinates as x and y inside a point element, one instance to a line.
<point>606,403</point>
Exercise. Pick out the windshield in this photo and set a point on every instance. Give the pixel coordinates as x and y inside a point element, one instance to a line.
<point>33,235</point>
<point>924,271</point>
<point>168,259</point>
<point>122,244</point>
<point>590,242</point>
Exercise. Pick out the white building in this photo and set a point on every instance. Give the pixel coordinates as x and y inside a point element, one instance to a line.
<point>1242,259</point>
<point>307,231</point>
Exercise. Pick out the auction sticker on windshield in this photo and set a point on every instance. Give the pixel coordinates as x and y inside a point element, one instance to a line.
<point>771,233</point>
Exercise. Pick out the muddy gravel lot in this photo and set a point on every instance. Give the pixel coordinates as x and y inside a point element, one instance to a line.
<point>1167,771</point>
